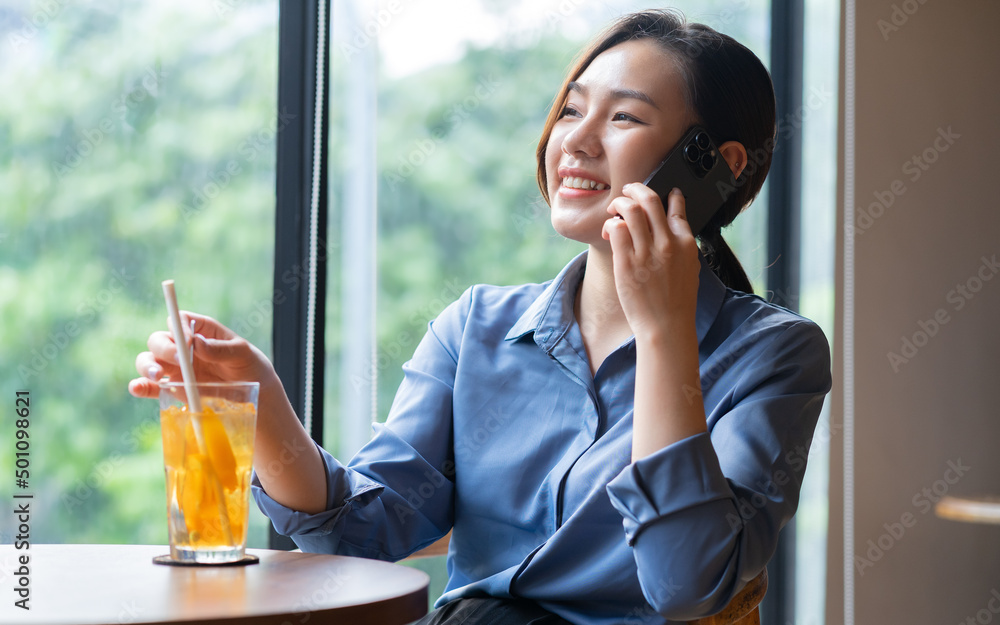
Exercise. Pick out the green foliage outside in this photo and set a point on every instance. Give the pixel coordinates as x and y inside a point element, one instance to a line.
<point>136,144</point>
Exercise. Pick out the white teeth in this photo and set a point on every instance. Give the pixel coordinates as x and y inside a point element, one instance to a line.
<point>583,183</point>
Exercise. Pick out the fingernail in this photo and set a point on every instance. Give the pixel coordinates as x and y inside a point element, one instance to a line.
<point>154,372</point>
<point>675,191</point>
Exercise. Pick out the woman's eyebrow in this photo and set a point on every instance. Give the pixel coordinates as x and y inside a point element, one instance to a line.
<point>617,94</point>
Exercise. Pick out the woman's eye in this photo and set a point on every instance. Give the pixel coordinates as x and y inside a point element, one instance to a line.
<point>569,111</point>
<point>623,117</point>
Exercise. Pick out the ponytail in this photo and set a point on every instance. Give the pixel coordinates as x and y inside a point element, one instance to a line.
<point>723,261</point>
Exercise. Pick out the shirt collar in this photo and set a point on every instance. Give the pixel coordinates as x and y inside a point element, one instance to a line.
<point>551,314</point>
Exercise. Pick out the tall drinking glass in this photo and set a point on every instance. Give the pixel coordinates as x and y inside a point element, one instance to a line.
<point>208,458</point>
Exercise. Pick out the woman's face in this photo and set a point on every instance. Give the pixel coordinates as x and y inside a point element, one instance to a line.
<point>622,116</point>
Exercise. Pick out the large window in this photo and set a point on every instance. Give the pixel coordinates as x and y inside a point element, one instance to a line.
<point>136,144</point>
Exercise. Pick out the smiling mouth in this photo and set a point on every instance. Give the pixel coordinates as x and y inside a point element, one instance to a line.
<point>584,184</point>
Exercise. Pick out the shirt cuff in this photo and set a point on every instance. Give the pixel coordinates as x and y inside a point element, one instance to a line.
<point>345,489</point>
<point>678,477</point>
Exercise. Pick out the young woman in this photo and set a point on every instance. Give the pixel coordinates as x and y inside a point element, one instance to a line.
<point>622,443</point>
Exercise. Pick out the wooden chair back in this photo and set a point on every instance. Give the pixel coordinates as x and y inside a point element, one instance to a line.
<point>744,609</point>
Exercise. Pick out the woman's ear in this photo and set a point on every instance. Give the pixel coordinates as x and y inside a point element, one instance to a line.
<point>735,155</point>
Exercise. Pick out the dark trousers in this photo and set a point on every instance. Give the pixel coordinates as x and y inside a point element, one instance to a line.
<point>491,611</point>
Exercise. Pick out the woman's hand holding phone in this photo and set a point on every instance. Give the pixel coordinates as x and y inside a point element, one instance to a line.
<point>655,260</point>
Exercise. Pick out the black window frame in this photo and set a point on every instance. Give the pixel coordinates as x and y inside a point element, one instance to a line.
<point>784,246</point>
<point>302,30</point>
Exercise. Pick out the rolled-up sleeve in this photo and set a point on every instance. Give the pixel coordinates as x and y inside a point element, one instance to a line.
<point>345,490</point>
<point>703,515</point>
<point>396,495</point>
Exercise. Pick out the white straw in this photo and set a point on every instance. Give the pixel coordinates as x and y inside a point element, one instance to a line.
<point>186,363</point>
<point>183,355</point>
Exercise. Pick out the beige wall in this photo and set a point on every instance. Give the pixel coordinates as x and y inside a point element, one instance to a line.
<point>937,72</point>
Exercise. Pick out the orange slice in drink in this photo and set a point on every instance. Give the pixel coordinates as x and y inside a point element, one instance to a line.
<point>219,450</point>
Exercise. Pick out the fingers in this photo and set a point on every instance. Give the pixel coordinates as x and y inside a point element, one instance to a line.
<point>161,346</point>
<point>220,350</point>
<point>653,208</point>
<point>643,217</point>
<point>212,344</point>
<point>219,354</point>
<point>207,326</point>
<point>146,366</point>
<point>677,214</point>
<point>144,387</point>
<point>616,231</point>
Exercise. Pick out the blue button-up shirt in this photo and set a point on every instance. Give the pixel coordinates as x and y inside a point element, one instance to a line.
<point>500,432</point>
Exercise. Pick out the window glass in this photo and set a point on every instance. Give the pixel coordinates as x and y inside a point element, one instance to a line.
<point>818,123</point>
<point>136,144</point>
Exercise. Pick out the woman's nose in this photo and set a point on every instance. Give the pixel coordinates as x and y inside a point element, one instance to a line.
<point>583,139</point>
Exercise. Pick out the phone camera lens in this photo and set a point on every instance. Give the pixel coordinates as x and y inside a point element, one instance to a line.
<point>708,162</point>
<point>702,140</point>
<point>692,153</point>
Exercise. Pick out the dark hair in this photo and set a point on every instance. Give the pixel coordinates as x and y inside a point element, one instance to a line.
<point>730,93</point>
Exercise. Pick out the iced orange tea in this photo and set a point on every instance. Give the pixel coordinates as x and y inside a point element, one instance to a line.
<point>203,473</point>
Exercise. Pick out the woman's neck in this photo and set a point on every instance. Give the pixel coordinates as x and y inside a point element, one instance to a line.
<point>598,311</point>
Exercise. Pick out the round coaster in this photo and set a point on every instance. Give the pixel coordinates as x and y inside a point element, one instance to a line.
<point>166,559</point>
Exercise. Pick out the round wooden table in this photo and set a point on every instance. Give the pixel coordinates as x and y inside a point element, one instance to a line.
<point>119,584</point>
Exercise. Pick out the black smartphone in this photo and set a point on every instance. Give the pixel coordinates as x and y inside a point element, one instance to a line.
<point>696,167</point>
